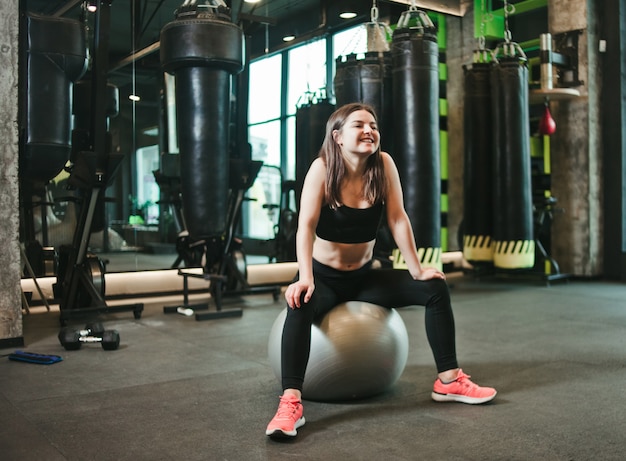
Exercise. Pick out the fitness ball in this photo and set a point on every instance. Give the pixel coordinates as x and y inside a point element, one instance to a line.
<point>358,350</point>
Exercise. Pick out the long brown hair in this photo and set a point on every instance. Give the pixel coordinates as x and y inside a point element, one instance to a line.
<point>375,183</point>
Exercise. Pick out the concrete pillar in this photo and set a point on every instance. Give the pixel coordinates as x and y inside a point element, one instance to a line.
<point>576,150</point>
<point>10,272</point>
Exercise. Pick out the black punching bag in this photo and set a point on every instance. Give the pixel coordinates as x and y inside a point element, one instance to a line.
<point>513,235</point>
<point>311,119</point>
<point>478,165</point>
<point>367,80</point>
<point>202,49</point>
<point>415,62</point>
<point>55,56</point>
<point>82,112</point>
<point>81,133</point>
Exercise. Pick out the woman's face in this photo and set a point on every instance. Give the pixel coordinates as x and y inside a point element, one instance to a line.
<point>359,134</point>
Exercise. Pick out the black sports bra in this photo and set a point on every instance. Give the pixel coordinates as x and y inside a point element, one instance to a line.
<point>349,225</point>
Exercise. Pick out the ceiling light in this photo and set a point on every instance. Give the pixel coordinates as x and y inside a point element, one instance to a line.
<point>347,15</point>
<point>288,38</point>
<point>91,7</point>
<point>134,97</point>
<point>252,1</point>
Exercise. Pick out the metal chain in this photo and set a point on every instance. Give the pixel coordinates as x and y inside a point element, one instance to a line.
<point>509,48</point>
<point>508,9</point>
<point>481,54</point>
<point>481,38</point>
<point>374,12</point>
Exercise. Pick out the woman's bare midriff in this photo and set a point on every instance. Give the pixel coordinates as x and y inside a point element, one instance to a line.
<point>343,256</point>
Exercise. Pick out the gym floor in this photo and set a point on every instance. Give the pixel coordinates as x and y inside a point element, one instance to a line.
<point>178,388</point>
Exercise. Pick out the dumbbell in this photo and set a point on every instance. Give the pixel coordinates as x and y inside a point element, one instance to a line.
<point>72,340</point>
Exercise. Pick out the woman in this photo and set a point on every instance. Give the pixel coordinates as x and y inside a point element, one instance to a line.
<point>341,207</point>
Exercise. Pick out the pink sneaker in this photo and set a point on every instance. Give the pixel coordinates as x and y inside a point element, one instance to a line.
<point>462,390</point>
<point>288,418</point>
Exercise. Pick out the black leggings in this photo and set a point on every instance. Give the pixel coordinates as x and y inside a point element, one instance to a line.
<point>390,288</point>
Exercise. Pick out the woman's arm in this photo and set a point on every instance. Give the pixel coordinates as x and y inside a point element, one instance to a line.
<point>311,200</point>
<point>400,225</point>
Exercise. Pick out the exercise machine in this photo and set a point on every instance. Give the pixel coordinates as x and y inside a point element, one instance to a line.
<point>227,271</point>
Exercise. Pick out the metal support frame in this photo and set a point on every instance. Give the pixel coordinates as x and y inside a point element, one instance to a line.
<point>565,58</point>
<point>216,293</point>
<point>224,265</point>
<point>90,173</point>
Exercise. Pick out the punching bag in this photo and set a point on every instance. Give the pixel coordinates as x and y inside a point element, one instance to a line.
<point>203,49</point>
<point>81,109</point>
<point>367,80</point>
<point>81,133</point>
<point>55,56</point>
<point>311,119</point>
<point>513,234</point>
<point>415,68</point>
<point>478,164</point>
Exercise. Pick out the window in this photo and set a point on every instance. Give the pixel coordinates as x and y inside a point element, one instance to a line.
<point>349,41</point>
<point>271,117</point>
<point>264,135</point>
<point>265,88</point>
<point>307,74</point>
<point>265,141</point>
<point>147,188</point>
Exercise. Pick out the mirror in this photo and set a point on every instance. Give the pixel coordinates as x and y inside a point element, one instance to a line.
<point>141,227</point>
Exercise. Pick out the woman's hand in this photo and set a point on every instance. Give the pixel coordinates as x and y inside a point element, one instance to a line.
<point>428,273</point>
<point>294,292</point>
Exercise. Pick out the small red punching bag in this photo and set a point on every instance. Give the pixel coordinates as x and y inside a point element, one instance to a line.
<point>547,125</point>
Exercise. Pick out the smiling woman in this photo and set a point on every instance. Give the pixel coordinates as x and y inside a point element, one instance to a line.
<point>353,178</point>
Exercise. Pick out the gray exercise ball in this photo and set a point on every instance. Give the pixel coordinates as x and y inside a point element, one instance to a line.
<point>358,350</point>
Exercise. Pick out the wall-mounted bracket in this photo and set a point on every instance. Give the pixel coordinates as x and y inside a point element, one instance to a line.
<point>565,58</point>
